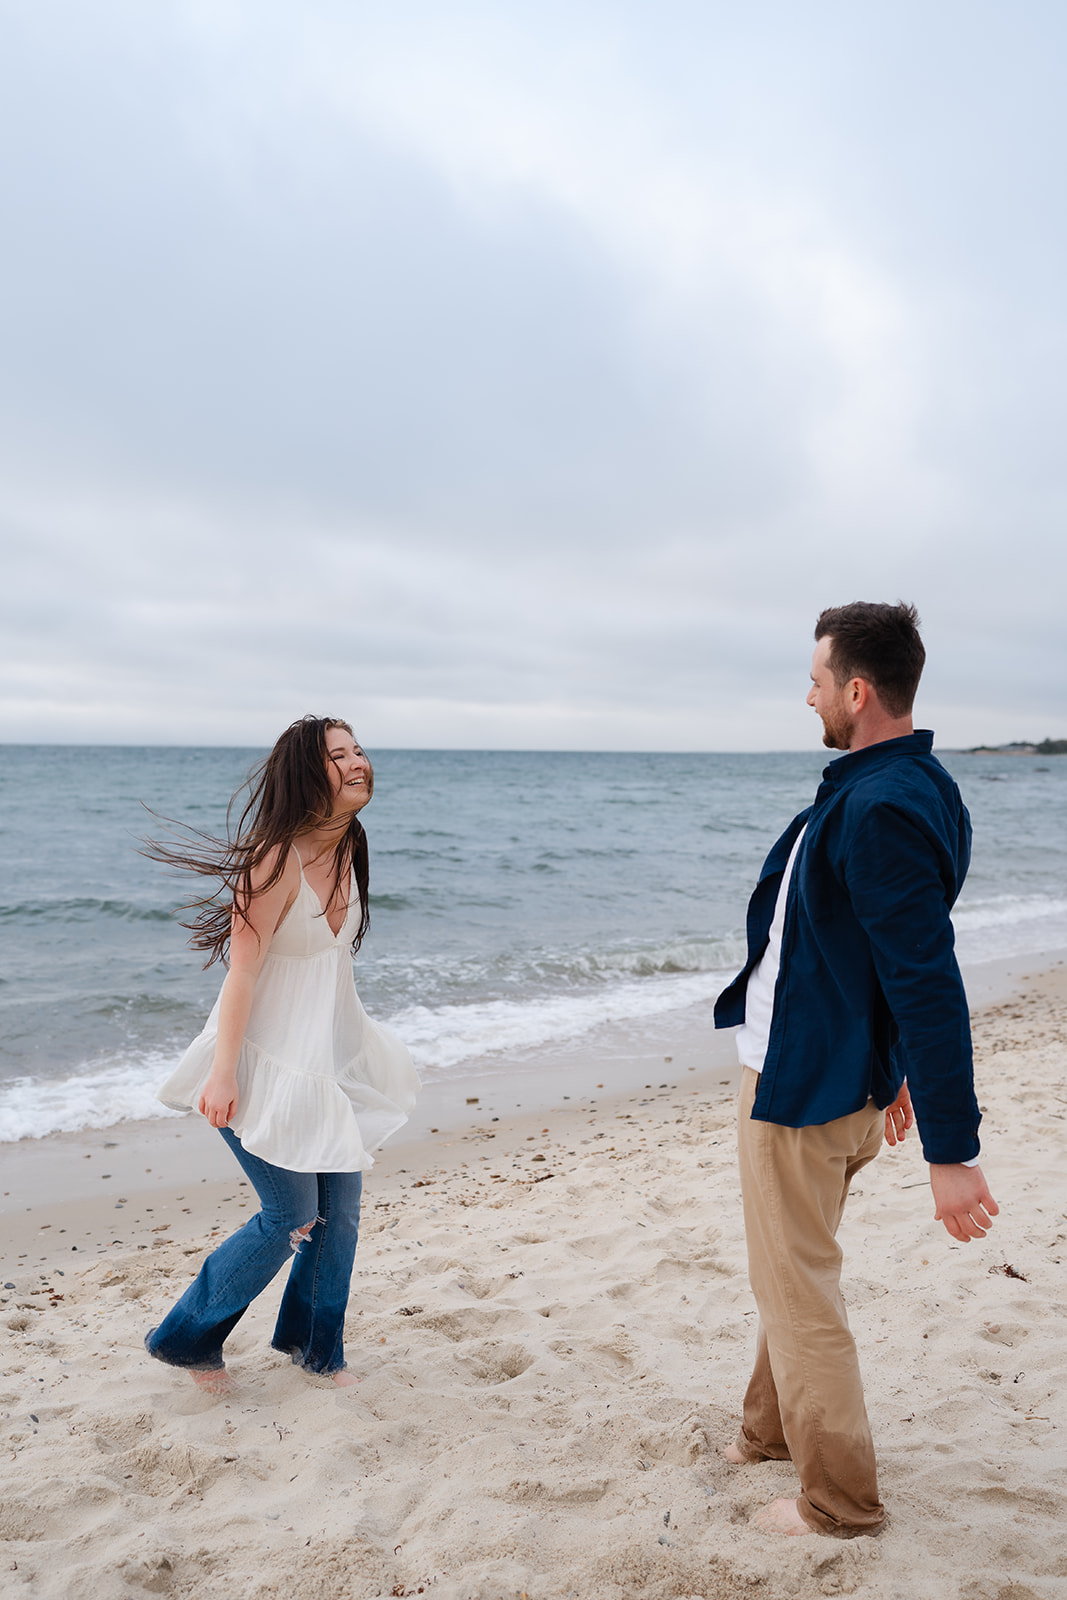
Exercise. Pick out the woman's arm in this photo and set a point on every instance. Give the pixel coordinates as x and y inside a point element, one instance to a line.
<point>249,943</point>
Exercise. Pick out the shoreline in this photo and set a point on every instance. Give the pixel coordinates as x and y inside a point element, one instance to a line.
<point>552,1328</point>
<point>176,1166</point>
<point>610,1062</point>
<point>86,1194</point>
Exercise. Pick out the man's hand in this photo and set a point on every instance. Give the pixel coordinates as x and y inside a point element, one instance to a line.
<point>899,1117</point>
<point>963,1201</point>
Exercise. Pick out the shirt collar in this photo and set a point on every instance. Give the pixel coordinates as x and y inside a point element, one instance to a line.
<point>854,763</point>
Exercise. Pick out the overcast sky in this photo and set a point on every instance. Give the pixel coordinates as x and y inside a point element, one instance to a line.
<point>526,374</point>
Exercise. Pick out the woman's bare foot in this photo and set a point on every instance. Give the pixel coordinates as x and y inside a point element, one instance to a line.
<point>345,1379</point>
<point>781,1516</point>
<point>216,1381</point>
<point>732,1454</point>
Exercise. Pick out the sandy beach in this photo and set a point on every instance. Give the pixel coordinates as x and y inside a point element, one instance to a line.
<point>553,1329</point>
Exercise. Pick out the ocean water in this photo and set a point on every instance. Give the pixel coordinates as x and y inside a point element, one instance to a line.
<point>517,900</point>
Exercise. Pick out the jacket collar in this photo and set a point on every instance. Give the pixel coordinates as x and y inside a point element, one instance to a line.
<point>853,765</point>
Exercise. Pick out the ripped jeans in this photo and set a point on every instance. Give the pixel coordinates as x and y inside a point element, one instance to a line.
<point>310,1218</point>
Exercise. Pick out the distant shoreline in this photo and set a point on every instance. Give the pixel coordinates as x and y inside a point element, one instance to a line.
<point>1047,747</point>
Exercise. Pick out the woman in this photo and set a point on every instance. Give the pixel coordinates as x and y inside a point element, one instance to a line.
<point>290,1069</point>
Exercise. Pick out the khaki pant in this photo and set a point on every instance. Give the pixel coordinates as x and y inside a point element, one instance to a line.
<point>805,1399</point>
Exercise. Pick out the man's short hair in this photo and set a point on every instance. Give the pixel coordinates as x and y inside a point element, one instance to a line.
<point>879,643</point>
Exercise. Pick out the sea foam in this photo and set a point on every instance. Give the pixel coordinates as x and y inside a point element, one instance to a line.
<point>450,1039</point>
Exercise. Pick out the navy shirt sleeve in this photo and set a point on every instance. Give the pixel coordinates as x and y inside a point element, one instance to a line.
<point>900,878</point>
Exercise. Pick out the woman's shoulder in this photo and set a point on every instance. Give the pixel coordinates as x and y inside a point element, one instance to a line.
<point>279,868</point>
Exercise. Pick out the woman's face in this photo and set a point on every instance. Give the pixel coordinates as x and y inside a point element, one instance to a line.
<point>351,774</point>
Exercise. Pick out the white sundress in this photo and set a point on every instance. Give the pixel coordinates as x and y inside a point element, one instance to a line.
<point>319,1084</point>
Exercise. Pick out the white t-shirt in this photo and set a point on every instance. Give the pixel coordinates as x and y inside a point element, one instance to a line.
<point>754,1033</point>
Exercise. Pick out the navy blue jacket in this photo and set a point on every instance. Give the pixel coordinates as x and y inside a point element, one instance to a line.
<point>868,990</point>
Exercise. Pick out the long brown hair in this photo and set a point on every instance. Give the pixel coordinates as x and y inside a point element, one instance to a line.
<point>288,794</point>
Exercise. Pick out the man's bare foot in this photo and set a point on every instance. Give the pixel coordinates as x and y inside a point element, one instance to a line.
<point>217,1381</point>
<point>732,1454</point>
<point>345,1379</point>
<point>781,1516</point>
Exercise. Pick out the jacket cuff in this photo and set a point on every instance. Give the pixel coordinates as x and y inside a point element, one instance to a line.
<point>949,1144</point>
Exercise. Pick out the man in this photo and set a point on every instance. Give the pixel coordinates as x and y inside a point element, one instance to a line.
<point>850,997</point>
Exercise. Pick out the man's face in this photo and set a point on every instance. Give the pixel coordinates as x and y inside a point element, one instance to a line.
<point>828,701</point>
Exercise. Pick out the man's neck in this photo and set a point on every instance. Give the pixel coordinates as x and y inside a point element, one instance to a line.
<point>877,730</point>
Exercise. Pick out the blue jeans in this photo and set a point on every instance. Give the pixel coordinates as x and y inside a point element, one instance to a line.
<point>310,1217</point>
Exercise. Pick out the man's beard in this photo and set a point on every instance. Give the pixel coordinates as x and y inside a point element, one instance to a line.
<point>837,731</point>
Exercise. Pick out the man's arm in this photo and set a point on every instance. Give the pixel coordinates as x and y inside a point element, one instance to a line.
<point>961,1197</point>
<point>899,1117</point>
<point>897,880</point>
<point>963,1201</point>
<point>899,897</point>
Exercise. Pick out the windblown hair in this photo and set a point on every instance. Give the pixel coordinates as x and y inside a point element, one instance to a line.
<point>287,794</point>
<point>880,643</point>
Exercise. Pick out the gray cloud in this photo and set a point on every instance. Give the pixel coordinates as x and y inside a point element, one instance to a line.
<point>525,377</point>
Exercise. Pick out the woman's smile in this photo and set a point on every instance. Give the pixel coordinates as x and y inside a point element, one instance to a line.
<point>351,774</point>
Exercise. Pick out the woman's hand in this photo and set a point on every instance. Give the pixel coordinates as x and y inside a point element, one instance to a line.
<point>219,1099</point>
<point>250,939</point>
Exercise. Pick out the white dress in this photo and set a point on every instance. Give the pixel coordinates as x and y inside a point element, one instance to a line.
<point>319,1084</point>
